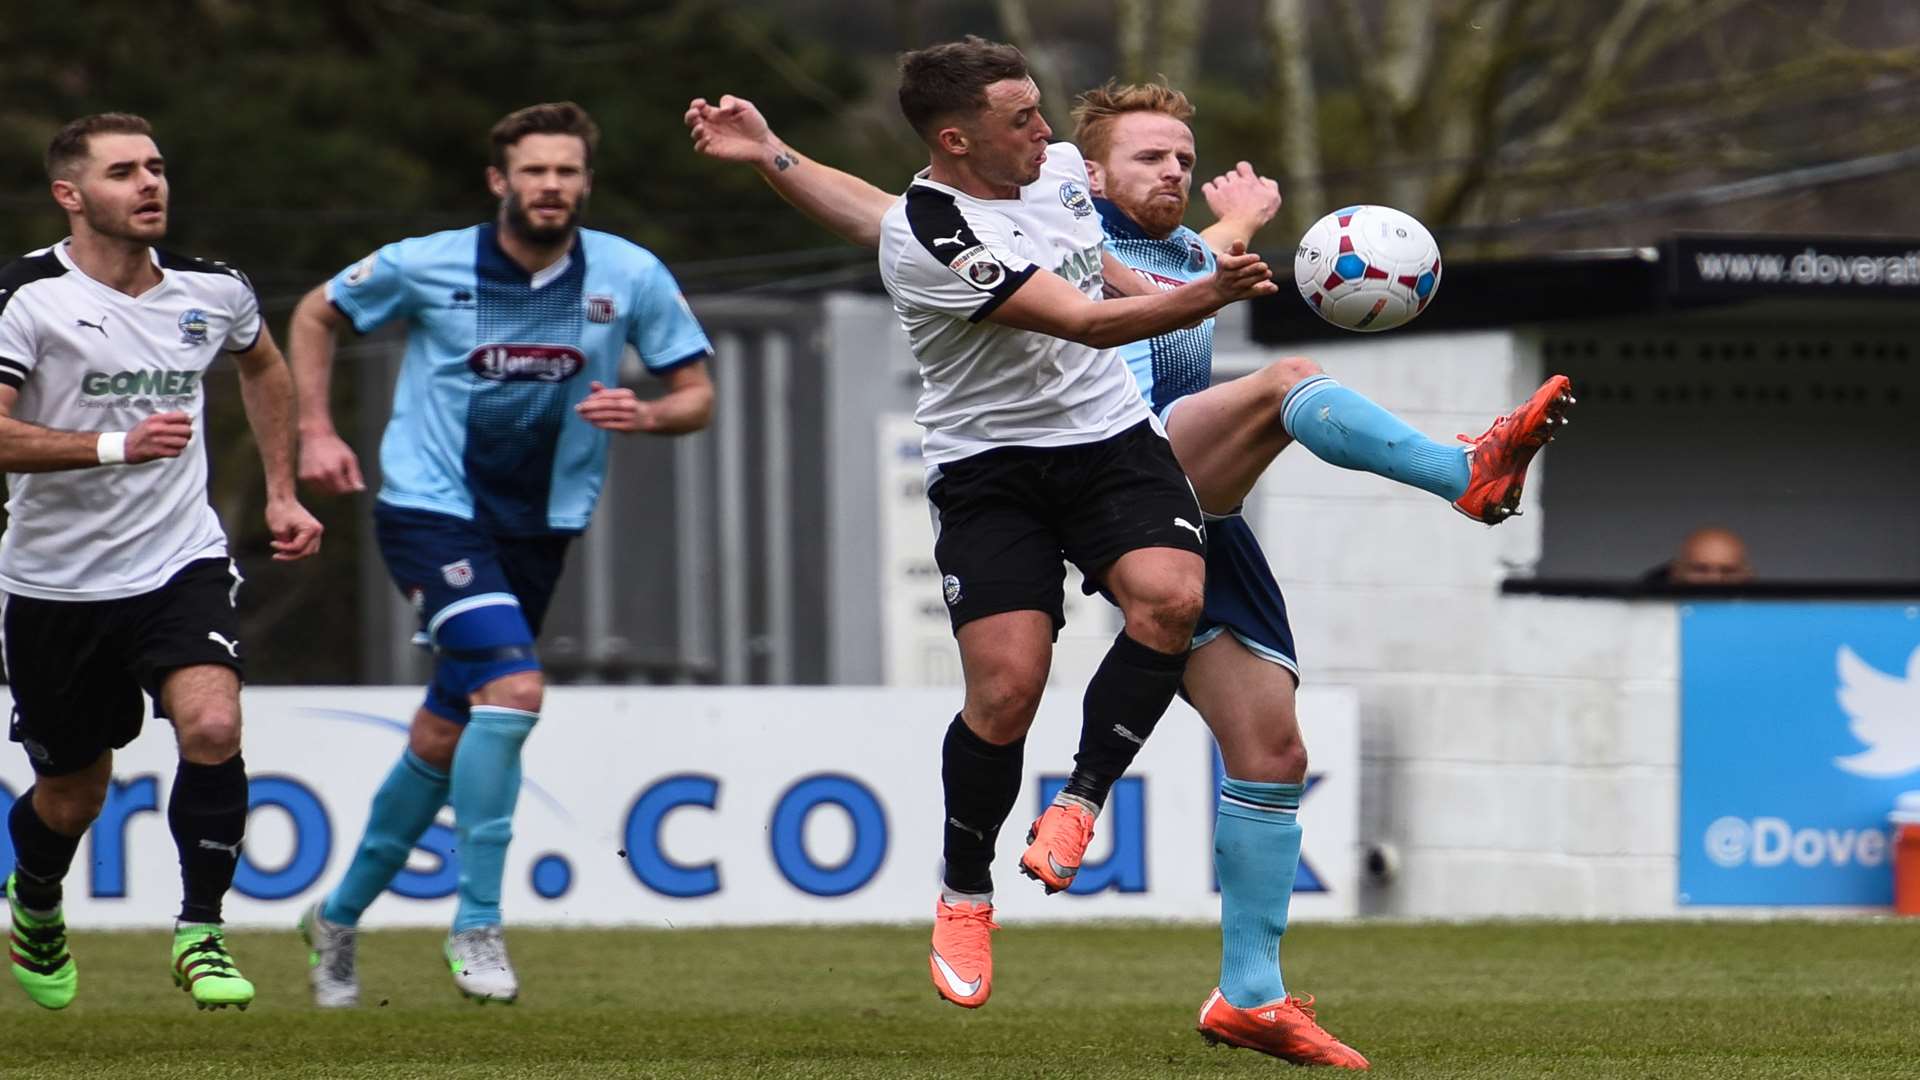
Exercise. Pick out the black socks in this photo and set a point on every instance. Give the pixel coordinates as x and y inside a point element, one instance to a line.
<point>1125,699</point>
<point>208,814</point>
<point>982,782</point>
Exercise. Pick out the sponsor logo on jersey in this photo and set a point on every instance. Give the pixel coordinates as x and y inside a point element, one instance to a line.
<point>978,268</point>
<point>98,384</point>
<point>1073,196</point>
<point>458,574</point>
<point>1083,268</point>
<point>193,327</point>
<point>526,363</point>
<point>599,308</point>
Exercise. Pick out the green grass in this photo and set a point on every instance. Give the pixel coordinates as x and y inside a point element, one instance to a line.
<point>1775,999</point>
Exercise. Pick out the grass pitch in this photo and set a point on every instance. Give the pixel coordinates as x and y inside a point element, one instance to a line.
<point>1111,1002</point>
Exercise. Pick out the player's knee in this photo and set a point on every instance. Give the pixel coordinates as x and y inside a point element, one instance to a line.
<point>497,831</point>
<point>1275,754</point>
<point>522,690</point>
<point>1280,377</point>
<point>211,734</point>
<point>435,743</point>
<point>69,805</point>
<point>1001,709</point>
<point>1166,614</point>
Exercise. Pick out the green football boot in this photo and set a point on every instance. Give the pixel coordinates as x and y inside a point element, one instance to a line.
<point>203,967</point>
<point>37,952</point>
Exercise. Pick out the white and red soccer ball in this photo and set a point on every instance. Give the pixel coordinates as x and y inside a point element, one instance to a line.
<point>1367,268</point>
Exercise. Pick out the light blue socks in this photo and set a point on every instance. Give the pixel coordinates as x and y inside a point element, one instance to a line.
<point>1343,428</point>
<point>486,784</point>
<point>402,809</point>
<point>1256,851</point>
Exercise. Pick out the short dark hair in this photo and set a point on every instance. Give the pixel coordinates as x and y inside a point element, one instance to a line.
<point>942,81</point>
<point>550,118</point>
<point>73,142</point>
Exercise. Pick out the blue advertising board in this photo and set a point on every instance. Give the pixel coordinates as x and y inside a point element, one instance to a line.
<point>1800,725</point>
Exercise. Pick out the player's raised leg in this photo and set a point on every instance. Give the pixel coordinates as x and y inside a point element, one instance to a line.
<point>1227,435</point>
<point>207,813</point>
<point>1005,658</point>
<point>1245,692</point>
<point>46,824</point>
<point>403,808</point>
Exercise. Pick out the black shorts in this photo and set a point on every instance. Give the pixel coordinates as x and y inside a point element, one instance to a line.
<point>1005,519</point>
<point>78,668</point>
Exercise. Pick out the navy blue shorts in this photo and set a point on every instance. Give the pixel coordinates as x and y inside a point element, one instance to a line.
<point>1242,598</point>
<point>480,598</point>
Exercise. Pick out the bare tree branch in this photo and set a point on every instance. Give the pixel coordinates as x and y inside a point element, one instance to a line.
<point>1296,112</point>
<point>1055,102</point>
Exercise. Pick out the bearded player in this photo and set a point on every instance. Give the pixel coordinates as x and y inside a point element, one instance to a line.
<point>1243,672</point>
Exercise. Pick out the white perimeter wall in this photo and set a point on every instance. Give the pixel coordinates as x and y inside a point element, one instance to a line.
<point>1519,754</point>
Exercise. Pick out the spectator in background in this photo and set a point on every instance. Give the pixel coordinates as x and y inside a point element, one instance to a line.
<point>1710,555</point>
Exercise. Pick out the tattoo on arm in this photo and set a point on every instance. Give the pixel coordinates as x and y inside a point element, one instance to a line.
<point>784,161</point>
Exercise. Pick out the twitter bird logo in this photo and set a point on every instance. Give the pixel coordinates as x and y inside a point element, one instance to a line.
<point>1885,715</point>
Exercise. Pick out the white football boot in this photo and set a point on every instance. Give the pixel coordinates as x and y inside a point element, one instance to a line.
<point>478,959</point>
<point>330,960</point>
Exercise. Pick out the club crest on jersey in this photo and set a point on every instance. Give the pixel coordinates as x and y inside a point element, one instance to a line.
<point>1196,256</point>
<point>361,271</point>
<point>599,308</point>
<point>193,327</point>
<point>458,574</point>
<point>526,363</point>
<point>1073,196</point>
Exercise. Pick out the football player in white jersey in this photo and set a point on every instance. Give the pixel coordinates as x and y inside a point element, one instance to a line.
<point>1039,447</point>
<point>115,569</point>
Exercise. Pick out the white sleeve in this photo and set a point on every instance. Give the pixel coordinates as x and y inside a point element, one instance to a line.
<point>245,328</point>
<point>16,343</point>
<point>954,259</point>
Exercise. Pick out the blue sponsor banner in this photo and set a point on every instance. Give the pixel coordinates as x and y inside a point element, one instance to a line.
<point>1800,725</point>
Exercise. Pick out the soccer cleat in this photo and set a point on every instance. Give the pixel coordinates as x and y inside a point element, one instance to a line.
<point>204,968</point>
<point>37,953</point>
<point>1498,459</point>
<point>1284,1029</point>
<point>1055,845</point>
<point>330,960</point>
<point>478,959</point>
<point>961,960</point>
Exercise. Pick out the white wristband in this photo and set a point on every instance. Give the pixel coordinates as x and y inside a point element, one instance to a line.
<point>112,448</point>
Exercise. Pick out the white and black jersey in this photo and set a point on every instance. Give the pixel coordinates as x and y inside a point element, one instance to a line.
<point>948,259</point>
<point>87,357</point>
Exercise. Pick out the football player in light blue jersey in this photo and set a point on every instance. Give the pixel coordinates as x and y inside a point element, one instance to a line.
<point>491,463</point>
<point>1242,674</point>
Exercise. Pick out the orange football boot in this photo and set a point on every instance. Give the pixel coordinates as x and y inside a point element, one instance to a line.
<point>1055,845</point>
<point>961,960</point>
<point>1284,1029</point>
<point>1499,458</point>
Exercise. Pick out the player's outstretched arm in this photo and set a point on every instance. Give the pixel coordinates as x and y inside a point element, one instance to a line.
<point>30,448</point>
<point>326,461</point>
<point>686,407</point>
<point>734,130</point>
<point>1242,201</point>
<point>1049,304</point>
<point>266,392</point>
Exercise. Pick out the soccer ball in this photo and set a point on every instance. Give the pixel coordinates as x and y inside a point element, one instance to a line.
<point>1367,268</point>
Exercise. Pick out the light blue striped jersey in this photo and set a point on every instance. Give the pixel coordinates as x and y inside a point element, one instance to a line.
<point>1174,364</point>
<point>483,426</point>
